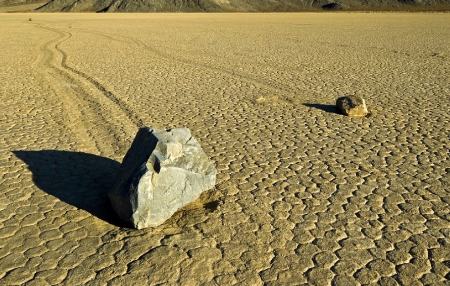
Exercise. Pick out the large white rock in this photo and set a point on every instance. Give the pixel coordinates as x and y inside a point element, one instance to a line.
<point>163,171</point>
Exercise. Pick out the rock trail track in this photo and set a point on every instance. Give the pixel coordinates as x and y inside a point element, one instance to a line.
<point>283,93</point>
<point>75,86</point>
<point>304,196</point>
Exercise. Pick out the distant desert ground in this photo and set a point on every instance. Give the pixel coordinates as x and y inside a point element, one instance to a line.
<point>304,195</point>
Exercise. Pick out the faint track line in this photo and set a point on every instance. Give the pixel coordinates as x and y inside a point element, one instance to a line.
<point>285,94</point>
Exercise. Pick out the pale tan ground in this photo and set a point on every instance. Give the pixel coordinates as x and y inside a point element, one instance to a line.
<point>304,195</point>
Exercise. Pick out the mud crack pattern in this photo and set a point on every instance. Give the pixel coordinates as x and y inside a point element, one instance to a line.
<point>304,196</point>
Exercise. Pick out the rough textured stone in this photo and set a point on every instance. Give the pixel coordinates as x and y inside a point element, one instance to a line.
<point>163,171</point>
<point>352,105</point>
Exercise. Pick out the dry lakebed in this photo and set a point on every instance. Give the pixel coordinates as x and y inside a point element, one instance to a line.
<point>304,195</point>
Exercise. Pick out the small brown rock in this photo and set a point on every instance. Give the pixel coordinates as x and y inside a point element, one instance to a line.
<point>354,106</point>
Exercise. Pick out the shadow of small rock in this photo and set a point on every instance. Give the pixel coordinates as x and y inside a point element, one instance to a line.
<point>211,206</point>
<point>79,179</point>
<point>331,108</point>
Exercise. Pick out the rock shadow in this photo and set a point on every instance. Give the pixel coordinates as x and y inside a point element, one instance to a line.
<point>331,108</point>
<point>211,206</point>
<point>79,179</point>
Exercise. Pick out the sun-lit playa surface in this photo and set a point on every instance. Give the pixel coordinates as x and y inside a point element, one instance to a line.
<point>304,195</point>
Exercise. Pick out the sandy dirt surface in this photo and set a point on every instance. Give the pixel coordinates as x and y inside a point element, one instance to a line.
<point>304,195</point>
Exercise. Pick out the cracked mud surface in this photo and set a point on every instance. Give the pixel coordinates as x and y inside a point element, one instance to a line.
<point>304,195</point>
